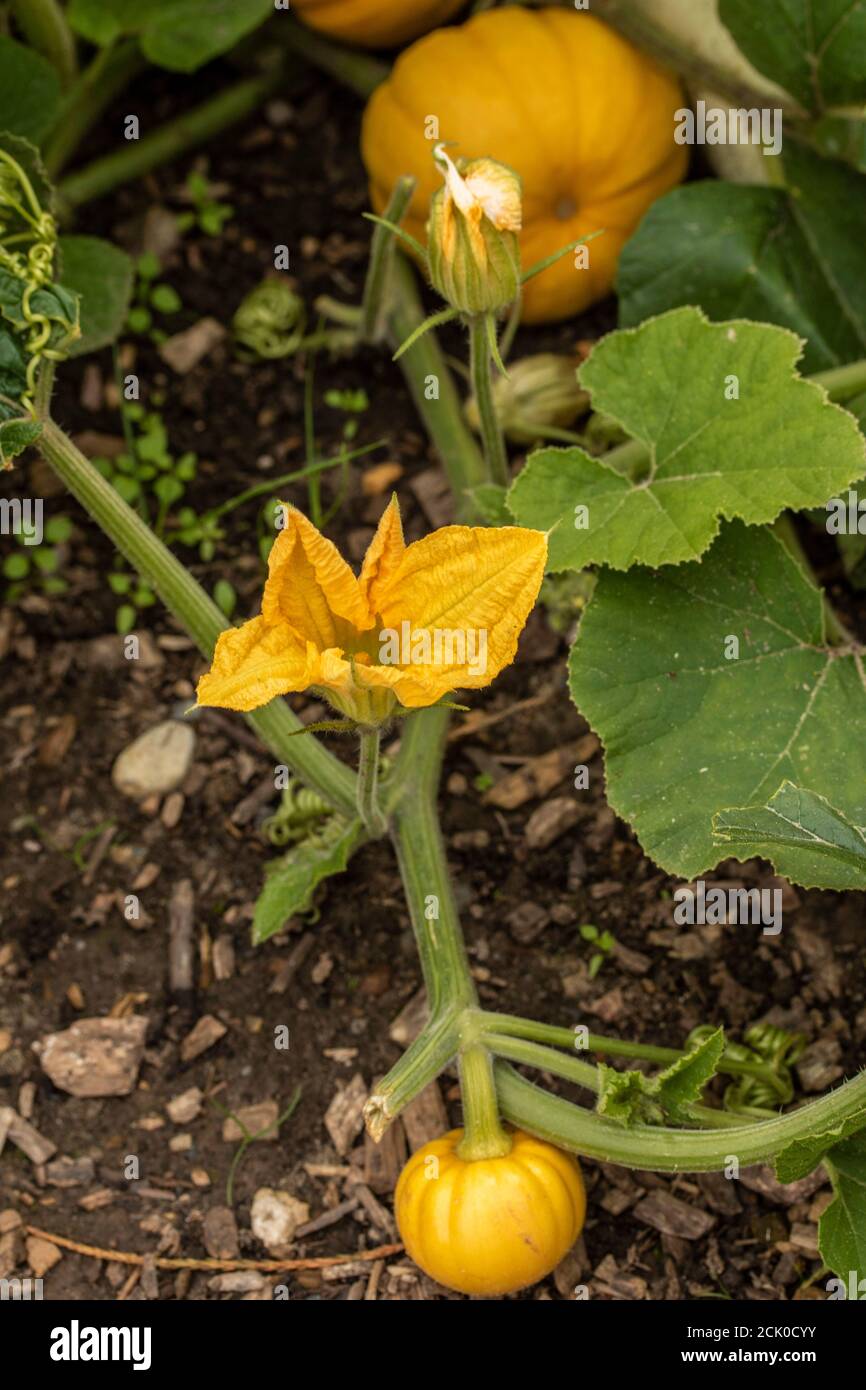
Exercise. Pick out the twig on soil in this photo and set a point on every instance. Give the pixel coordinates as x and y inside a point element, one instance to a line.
<point>129,1257</point>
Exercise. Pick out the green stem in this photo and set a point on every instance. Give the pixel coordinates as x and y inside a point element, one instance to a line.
<point>421,855</point>
<point>368,784</point>
<point>482,388</point>
<point>483,1135</point>
<point>45,27</point>
<point>434,392</point>
<point>421,1063</point>
<point>584,1074</point>
<point>194,610</point>
<point>103,79</point>
<point>382,252</point>
<point>841,383</point>
<point>666,1150</point>
<point>169,141</point>
<point>354,69</point>
<point>513,1026</point>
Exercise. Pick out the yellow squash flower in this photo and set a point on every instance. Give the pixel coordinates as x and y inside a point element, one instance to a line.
<point>441,614</point>
<point>472,237</point>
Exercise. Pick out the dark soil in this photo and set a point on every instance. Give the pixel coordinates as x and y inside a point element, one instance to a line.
<point>72,847</point>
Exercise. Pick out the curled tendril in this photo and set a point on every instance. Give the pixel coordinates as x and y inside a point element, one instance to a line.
<point>271,321</point>
<point>772,1052</point>
<point>28,246</point>
<point>302,815</point>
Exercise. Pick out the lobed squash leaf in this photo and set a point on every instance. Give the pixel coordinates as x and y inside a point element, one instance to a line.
<point>778,443</point>
<point>631,1098</point>
<point>842,1227</point>
<point>29,91</point>
<point>689,731</point>
<point>791,256</point>
<point>807,836</point>
<point>802,1157</point>
<point>102,276</point>
<point>181,35</point>
<point>291,880</point>
<point>816,51</point>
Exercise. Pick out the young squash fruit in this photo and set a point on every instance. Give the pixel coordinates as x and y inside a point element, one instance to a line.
<point>491,1225</point>
<point>583,117</point>
<point>375,23</point>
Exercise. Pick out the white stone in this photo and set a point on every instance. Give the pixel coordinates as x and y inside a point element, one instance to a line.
<point>156,762</point>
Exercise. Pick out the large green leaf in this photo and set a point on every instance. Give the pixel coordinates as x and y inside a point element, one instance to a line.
<point>688,732</point>
<point>779,444</point>
<point>178,34</point>
<point>808,838</point>
<point>102,276</point>
<point>789,256</point>
<point>815,49</point>
<point>29,91</point>
<point>842,1228</point>
<point>292,879</point>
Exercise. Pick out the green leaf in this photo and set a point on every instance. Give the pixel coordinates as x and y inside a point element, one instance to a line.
<point>842,1228</point>
<point>682,1083</point>
<point>104,21</point>
<point>102,276</point>
<point>16,565</point>
<point>292,879</point>
<point>808,839</point>
<point>689,733</point>
<point>176,34</point>
<point>16,435</point>
<point>815,49</point>
<point>787,257</point>
<point>802,1157</point>
<point>29,91</point>
<point>489,499</point>
<point>780,444</point>
<point>631,1098</point>
<point>187,33</point>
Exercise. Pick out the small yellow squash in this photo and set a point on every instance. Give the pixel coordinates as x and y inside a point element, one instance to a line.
<point>491,1225</point>
<point>375,23</point>
<point>580,114</point>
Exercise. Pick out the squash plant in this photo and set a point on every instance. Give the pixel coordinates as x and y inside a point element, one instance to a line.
<point>729,695</point>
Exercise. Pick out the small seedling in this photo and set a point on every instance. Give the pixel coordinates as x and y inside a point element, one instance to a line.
<point>34,567</point>
<point>603,942</point>
<point>151,296</point>
<point>208,215</point>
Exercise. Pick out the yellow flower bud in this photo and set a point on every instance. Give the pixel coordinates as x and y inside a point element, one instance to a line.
<point>540,393</point>
<point>472,236</point>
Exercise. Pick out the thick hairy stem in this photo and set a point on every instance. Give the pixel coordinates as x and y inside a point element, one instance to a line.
<point>434,392</point>
<point>195,611</point>
<point>421,1063</point>
<point>670,1150</point>
<point>421,855</point>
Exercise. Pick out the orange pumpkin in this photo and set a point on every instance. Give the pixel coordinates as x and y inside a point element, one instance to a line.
<point>375,23</point>
<point>584,117</point>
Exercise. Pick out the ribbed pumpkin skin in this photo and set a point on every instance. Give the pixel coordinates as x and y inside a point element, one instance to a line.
<point>584,118</point>
<point>490,1226</point>
<point>375,23</point>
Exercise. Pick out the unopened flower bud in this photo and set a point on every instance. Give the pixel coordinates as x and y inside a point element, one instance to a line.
<point>539,394</point>
<point>473,247</point>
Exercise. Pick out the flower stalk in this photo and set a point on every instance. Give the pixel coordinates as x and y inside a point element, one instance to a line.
<point>368,784</point>
<point>483,1134</point>
<point>490,429</point>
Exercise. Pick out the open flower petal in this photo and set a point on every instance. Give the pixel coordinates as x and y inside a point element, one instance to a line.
<point>383,556</point>
<point>253,663</point>
<point>465,579</point>
<point>311,587</point>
